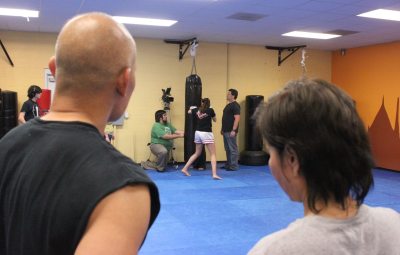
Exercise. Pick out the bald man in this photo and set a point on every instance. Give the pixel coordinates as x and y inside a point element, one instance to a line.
<point>63,188</point>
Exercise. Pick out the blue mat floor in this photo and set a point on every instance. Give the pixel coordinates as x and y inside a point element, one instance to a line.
<point>202,216</point>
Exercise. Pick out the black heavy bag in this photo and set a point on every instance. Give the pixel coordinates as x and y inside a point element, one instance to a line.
<point>192,98</point>
<point>8,111</point>
<point>254,154</point>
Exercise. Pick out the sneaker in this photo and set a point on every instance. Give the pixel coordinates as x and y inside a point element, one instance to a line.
<point>160,170</point>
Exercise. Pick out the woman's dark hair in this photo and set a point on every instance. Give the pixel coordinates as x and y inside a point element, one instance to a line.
<point>205,104</point>
<point>319,122</point>
<point>33,90</point>
<point>159,115</point>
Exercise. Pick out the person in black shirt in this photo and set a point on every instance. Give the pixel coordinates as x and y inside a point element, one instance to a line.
<point>229,130</point>
<point>63,188</point>
<point>30,108</point>
<point>203,135</point>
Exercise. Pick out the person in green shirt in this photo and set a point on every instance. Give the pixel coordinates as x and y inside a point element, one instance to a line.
<point>162,136</point>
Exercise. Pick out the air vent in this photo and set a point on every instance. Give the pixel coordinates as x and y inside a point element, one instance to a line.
<point>342,32</point>
<point>246,16</point>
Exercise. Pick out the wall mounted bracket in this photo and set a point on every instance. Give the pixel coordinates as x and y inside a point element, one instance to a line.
<point>292,50</point>
<point>5,51</point>
<point>182,43</point>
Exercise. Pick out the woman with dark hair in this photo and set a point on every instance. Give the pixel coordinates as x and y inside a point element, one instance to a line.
<point>321,157</point>
<point>203,136</point>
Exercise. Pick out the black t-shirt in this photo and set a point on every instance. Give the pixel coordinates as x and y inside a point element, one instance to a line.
<point>228,118</point>
<point>204,119</point>
<point>52,176</point>
<point>31,109</point>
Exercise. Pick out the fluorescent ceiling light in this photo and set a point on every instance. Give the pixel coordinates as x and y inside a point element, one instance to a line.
<point>382,14</point>
<point>144,21</point>
<point>19,13</point>
<point>311,35</point>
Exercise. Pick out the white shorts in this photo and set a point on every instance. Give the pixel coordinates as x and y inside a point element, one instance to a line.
<point>203,137</point>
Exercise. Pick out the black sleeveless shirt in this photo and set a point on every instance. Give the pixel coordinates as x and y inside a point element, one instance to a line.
<point>52,176</point>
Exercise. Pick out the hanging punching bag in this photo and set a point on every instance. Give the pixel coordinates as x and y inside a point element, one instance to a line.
<point>8,111</point>
<point>254,154</point>
<point>192,98</point>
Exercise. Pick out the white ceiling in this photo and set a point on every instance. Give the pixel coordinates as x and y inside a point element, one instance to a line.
<point>207,19</point>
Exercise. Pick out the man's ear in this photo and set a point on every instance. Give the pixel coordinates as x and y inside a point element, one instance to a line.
<point>52,66</point>
<point>292,161</point>
<point>123,80</point>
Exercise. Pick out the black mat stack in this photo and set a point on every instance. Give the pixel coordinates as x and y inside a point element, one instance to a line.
<point>8,111</point>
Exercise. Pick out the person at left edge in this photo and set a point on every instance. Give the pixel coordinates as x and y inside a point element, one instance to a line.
<point>63,189</point>
<point>30,108</point>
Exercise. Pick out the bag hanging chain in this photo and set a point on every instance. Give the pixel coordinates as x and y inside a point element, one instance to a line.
<point>193,54</point>
<point>303,61</point>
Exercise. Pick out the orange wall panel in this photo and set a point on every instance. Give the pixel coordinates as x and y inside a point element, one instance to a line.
<point>371,75</point>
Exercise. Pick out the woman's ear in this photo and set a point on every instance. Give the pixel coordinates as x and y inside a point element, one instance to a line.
<point>292,161</point>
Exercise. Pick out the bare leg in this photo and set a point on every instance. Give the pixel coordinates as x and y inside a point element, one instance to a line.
<point>211,150</point>
<point>199,148</point>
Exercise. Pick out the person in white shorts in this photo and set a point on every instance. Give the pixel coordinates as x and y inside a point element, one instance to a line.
<point>203,135</point>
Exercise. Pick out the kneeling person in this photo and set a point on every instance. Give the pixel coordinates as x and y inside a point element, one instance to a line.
<point>162,136</point>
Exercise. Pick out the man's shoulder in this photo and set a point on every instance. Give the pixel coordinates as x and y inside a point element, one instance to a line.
<point>28,103</point>
<point>156,125</point>
<point>235,107</point>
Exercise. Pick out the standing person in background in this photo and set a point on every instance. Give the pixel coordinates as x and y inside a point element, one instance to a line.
<point>321,157</point>
<point>203,135</point>
<point>230,128</point>
<point>63,189</point>
<point>30,108</point>
<point>162,141</point>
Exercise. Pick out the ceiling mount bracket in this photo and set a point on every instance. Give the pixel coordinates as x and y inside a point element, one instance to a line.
<point>5,51</point>
<point>292,50</point>
<point>182,43</point>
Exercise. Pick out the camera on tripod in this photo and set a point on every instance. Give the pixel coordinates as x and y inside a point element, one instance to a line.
<point>167,98</point>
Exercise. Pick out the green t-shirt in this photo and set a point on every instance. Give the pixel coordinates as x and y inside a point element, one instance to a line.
<point>158,131</point>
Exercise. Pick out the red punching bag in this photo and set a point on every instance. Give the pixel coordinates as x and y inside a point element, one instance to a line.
<point>44,102</point>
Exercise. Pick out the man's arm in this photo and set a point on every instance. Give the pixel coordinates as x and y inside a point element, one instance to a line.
<point>118,224</point>
<point>21,118</point>
<point>235,125</point>
<point>177,134</point>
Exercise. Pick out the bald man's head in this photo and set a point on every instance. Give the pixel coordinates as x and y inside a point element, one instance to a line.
<point>91,51</point>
